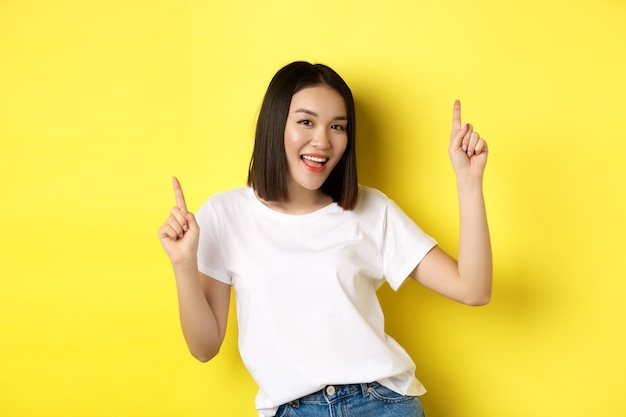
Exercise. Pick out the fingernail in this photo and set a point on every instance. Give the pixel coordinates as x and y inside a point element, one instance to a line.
<point>464,126</point>
<point>464,148</point>
<point>185,228</point>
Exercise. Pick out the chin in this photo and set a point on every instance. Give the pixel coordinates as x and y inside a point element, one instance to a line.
<point>311,185</point>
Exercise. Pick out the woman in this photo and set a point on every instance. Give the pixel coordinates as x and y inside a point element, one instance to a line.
<point>305,247</point>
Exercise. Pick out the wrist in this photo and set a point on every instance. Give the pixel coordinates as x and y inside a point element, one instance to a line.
<point>183,265</point>
<point>469,182</point>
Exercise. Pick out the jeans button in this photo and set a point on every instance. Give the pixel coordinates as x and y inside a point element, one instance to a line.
<point>330,390</point>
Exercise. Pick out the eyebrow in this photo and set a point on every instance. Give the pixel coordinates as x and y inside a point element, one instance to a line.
<point>312,113</point>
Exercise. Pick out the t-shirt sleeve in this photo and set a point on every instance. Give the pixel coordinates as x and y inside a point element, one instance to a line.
<point>210,259</point>
<point>404,245</point>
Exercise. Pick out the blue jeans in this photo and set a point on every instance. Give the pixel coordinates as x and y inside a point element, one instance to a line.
<point>357,400</point>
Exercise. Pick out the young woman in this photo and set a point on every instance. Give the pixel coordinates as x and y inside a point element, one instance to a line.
<point>306,247</point>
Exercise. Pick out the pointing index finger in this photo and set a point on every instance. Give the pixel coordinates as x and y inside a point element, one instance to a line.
<point>178,192</point>
<point>456,116</point>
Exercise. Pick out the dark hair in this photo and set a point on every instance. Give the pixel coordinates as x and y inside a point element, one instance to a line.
<point>268,165</point>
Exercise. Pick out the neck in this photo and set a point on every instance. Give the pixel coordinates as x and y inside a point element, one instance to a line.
<point>301,201</point>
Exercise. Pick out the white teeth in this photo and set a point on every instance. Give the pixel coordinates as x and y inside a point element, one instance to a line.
<point>314,159</point>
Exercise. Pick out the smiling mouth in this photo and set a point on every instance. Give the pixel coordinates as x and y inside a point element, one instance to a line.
<point>314,161</point>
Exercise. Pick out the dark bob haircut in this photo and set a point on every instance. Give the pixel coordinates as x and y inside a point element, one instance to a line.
<point>267,173</point>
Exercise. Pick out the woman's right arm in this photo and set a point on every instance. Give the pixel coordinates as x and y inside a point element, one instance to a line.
<point>203,302</point>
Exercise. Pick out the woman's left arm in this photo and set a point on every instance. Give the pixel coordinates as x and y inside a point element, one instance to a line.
<point>469,279</point>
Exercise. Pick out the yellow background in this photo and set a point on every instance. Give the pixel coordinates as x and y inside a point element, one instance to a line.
<point>102,102</point>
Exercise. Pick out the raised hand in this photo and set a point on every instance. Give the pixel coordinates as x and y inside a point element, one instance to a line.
<point>180,233</point>
<point>468,151</point>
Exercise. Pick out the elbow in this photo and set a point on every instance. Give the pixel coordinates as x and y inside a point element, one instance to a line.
<point>204,355</point>
<point>479,293</point>
<point>478,300</point>
<point>203,358</point>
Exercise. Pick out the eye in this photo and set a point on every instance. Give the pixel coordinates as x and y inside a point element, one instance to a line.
<point>340,128</point>
<point>305,122</point>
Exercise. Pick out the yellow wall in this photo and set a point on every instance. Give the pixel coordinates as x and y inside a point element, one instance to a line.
<point>101,104</point>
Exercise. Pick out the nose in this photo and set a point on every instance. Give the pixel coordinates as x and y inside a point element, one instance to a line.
<point>321,139</point>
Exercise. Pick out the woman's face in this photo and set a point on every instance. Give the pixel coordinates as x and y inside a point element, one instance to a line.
<point>316,136</point>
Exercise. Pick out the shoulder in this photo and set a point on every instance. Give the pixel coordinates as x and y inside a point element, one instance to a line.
<point>375,203</point>
<point>226,201</point>
<point>229,196</point>
<point>372,204</point>
<point>371,197</point>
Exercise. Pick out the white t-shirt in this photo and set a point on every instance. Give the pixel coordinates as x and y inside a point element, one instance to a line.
<point>305,288</point>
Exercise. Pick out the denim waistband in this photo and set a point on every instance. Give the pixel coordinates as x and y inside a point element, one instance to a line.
<point>332,393</point>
